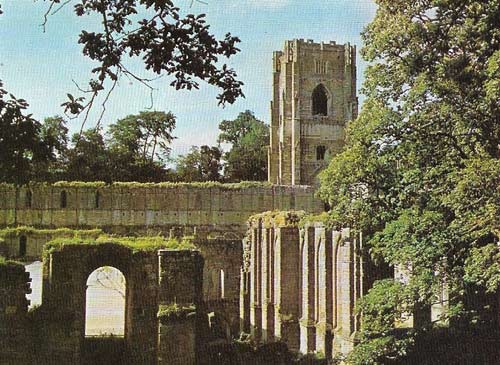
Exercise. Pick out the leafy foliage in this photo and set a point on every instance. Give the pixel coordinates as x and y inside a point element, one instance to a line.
<point>20,144</point>
<point>200,164</point>
<point>249,139</point>
<point>156,32</point>
<point>419,174</point>
<point>175,312</point>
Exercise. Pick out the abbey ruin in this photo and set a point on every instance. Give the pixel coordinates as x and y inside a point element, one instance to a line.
<point>253,266</point>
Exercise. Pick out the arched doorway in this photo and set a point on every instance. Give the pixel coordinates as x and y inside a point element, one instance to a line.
<point>105,303</point>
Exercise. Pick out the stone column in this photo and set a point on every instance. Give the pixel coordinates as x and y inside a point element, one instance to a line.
<point>287,286</point>
<point>343,343</point>
<point>255,284</point>
<point>267,281</point>
<point>245,301</point>
<point>323,243</point>
<point>308,320</point>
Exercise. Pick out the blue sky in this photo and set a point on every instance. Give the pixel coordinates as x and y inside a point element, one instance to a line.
<point>40,67</point>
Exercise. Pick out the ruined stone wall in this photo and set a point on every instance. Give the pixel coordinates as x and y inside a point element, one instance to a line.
<point>147,207</point>
<point>221,281</point>
<point>301,286</point>
<point>62,313</point>
<point>55,332</point>
<point>16,339</point>
<point>27,243</point>
<point>181,282</point>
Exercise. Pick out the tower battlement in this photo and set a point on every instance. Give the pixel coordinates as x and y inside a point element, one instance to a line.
<point>314,96</point>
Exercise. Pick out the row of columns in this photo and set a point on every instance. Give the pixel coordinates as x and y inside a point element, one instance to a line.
<point>301,286</point>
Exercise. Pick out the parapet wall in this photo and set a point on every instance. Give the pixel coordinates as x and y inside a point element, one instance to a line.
<point>301,285</point>
<point>223,207</point>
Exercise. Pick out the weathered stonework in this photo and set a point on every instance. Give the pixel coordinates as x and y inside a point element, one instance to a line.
<point>151,208</point>
<point>312,277</point>
<point>58,325</point>
<point>314,96</point>
<point>16,338</point>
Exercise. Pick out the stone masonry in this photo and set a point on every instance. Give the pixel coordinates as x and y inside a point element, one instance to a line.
<point>301,286</point>
<point>314,96</point>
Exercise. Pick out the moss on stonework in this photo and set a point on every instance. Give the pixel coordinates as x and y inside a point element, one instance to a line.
<point>175,312</point>
<point>137,185</point>
<point>136,244</point>
<point>25,230</point>
<point>4,263</point>
<point>310,219</point>
<point>277,218</point>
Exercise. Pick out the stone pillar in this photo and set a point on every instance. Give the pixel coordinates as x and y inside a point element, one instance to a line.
<point>266,285</point>
<point>245,301</point>
<point>308,320</point>
<point>255,284</point>
<point>323,243</point>
<point>343,341</point>
<point>287,286</point>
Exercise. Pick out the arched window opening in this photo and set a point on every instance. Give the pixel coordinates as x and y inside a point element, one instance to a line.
<point>64,199</point>
<point>222,278</point>
<point>320,101</point>
<point>22,246</point>
<point>320,153</point>
<point>97,202</point>
<point>105,303</point>
<point>28,198</point>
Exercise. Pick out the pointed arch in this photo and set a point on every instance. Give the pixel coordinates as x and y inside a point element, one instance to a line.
<point>320,101</point>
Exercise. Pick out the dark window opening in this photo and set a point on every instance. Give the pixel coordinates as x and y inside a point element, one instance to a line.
<point>97,199</point>
<point>64,199</point>
<point>29,196</point>
<point>320,101</point>
<point>320,153</point>
<point>22,246</point>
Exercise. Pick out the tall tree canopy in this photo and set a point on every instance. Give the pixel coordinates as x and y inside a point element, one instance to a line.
<point>200,164</point>
<point>145,136</point>
<point>249,139</point>
<point>420,172</point>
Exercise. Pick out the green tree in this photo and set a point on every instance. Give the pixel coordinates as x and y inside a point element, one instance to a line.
<point>89,158</point>
<point>249,139</point>
<point>200,164</point>
<point>145,136</point>
<point>54,137</point>
<point>20,144</point>
<point>139,145</point>
<point>427,139</point>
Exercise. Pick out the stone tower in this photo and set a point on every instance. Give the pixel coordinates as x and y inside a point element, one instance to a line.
<point>314,96</point>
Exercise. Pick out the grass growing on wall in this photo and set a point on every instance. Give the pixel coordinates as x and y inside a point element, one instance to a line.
<point>136,244</point>
<point>4,263</point>
<point>67,232</point>
<point>277,218</point>
<point>175,312</point>
<point>138,185</point>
